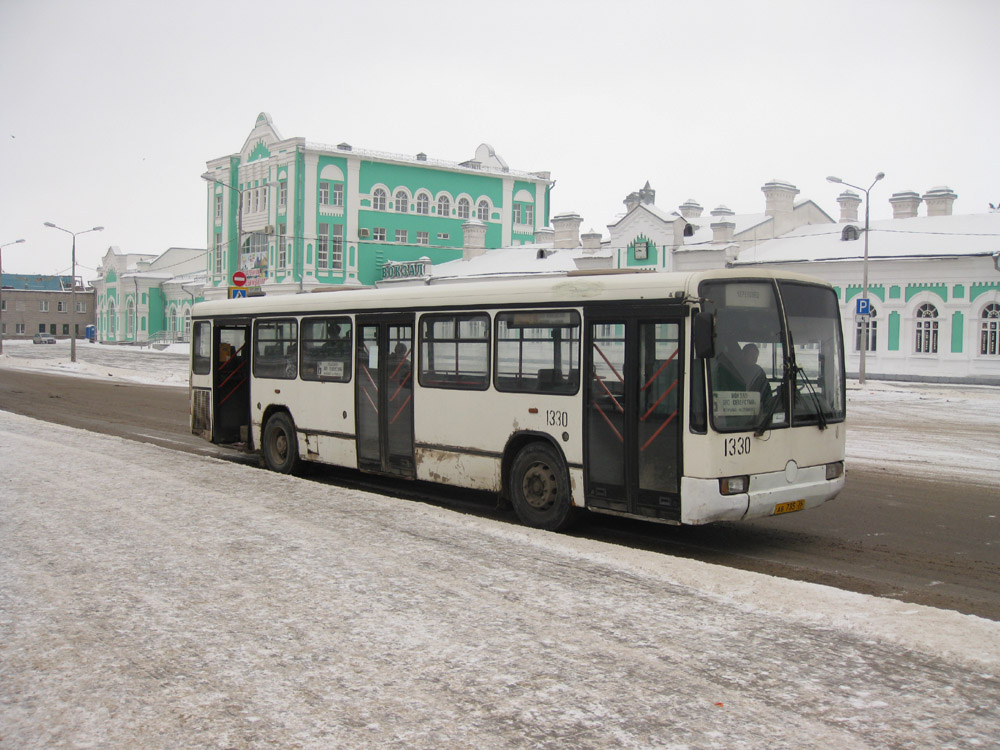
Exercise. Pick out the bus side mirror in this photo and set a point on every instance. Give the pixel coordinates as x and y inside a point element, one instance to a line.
<point>704,335</point>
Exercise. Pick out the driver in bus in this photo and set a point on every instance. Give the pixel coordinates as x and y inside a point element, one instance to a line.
<point>753,374</point>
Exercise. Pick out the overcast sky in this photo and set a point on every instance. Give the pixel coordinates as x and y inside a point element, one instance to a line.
<point>110,109</point>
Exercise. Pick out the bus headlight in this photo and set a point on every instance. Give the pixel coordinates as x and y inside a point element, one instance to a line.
<point>734,485</point>
<point>835,470</point>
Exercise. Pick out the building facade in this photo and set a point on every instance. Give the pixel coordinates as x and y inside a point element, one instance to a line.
<point>933,286</point>
<point>293,215</point>
<point>31,303</point>
<point>685,240</point>
<point>142,298</point>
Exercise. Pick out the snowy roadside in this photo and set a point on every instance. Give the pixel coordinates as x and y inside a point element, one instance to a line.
<point>227,607</point>
<point>936,431</point>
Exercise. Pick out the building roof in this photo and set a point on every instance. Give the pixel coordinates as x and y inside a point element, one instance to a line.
<point>917,237</point>
<point>36,282</point>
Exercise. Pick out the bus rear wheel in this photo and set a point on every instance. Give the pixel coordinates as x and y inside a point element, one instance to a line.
<point>539,488</point>
<point>280,445</point>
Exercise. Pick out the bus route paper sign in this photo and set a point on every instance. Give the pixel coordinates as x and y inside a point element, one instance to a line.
<point>736,403</point>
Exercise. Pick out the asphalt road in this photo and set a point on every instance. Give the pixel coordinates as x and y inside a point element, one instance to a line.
<point>908,538</point>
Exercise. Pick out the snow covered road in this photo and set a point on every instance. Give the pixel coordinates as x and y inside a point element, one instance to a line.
<point>221,606</point>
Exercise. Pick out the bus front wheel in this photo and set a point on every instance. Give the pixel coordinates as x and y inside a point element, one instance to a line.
<point>539,488</point>
<point>280,445</point>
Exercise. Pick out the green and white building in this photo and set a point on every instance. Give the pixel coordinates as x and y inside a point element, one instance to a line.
<point>140,297</point>
<point>293,215</point>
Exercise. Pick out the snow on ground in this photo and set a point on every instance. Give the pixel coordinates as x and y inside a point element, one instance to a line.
<point>156,599</point>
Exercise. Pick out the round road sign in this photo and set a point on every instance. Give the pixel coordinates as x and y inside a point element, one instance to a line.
<point>239,278</point>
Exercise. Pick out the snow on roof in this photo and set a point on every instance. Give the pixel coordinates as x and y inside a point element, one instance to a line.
<point>517,261</point>
<point>922,236</point>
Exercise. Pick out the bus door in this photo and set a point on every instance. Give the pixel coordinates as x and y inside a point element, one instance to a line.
<point>384,394</point>
<point>633,415</point>
<point>231,383</point>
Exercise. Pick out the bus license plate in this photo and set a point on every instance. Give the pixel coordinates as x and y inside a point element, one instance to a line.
<point>789,507</point>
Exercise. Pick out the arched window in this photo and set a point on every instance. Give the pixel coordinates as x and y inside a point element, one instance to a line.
<point>464,208</point>
<point>927,330</point>
<point>444,206</point>
<point>187,324</point>
<point>989,336</point>
<point>689,230</point>
<point>378,199</point>
<point>483,211</point>
<point>423,203</point>
<point>130,318</point>
<point>867,334</point>
<point>402,201</point>
<point>849,233</point>
<point>112,321</point>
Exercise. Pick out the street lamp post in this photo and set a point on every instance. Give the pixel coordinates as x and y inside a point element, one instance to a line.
<point>72,312</point>
<point>864,272</point>
<point>15,242</point>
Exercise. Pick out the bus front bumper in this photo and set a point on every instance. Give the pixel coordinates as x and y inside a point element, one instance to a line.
<point>770,494</point>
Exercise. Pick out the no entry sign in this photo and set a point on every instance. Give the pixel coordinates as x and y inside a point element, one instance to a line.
<point>239,278</point>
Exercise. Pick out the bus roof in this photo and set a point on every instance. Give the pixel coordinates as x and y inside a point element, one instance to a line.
<point>570,289</point>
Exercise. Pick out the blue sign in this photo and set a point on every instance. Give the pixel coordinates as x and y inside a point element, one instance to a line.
<point>864,306</point>
<point>237,292</point>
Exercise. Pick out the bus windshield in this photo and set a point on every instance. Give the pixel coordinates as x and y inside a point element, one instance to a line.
<point>756,379</point>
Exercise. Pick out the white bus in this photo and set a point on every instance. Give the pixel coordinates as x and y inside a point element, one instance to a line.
<point>682,398</point>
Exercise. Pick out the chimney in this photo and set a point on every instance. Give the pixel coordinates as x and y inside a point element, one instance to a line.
<point>690,209</point>
<point>849,202</point>
<point>722,229</point>
<point>721,210</point>
<point>567,230</point>
<point>779,203</point>
<point>905,204</point>
<point>939,200</point>
<point>591,240</point>
<point>544,235</point>
<point>474,236</point>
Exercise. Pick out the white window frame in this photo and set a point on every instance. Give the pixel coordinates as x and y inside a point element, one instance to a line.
<point>218,252</point>
<point>423,204</point>
<point>283,193</point>
<point>989,331</point>
<point>337,197</point>
<point>378,234</point>
<point>337,248</point>
<point>218,206</point>
<point>43,306</point>
<point>323,247</point>
<point>464,208</point>
<point>423,238</point>
<point>401,207</point>
<point>926,329</point>
<point>444,206</point>
<point>483,210</point>
<point>282,260</point>
<point>379,199</point>
<point>403,236</point>
<point>324,193</point>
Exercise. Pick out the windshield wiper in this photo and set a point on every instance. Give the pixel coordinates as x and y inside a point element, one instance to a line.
<point>820,416</point>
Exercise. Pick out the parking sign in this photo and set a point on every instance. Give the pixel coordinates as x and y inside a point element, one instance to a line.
<point>864,306</point>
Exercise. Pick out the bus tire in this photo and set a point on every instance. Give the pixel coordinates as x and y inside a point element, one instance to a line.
<point>279,444</point>
<point>539,488</point>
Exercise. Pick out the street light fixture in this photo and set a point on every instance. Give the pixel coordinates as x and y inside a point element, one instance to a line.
<point>864,283</point>
<point>72,312</point>
<point>15,242</point>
